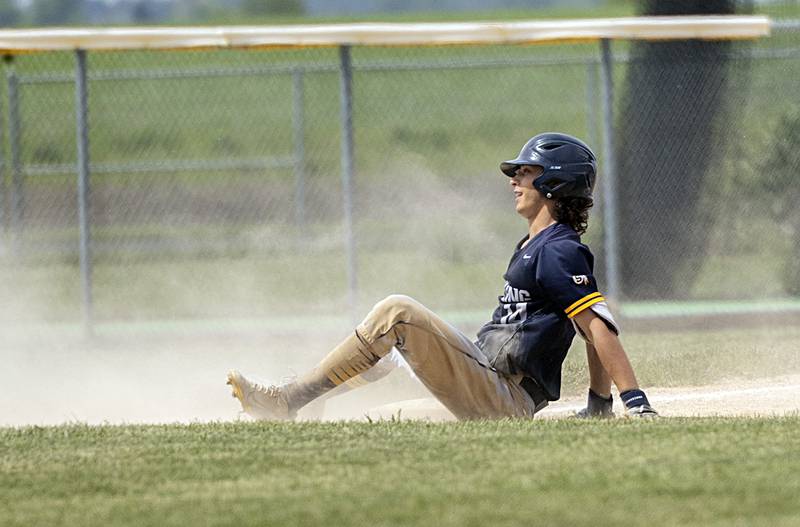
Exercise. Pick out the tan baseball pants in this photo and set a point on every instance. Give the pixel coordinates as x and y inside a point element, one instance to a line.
<point>454,369</point>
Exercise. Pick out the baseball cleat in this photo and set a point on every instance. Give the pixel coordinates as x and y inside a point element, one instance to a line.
<point>644,411</point>
<point>267,403</point>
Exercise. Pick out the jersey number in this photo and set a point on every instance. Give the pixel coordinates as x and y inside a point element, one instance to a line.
<point>515,313</point>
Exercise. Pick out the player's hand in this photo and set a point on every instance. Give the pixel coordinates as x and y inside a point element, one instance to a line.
<point>644,411</point>
<point>596,407</point>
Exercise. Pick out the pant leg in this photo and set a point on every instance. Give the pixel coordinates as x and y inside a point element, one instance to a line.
<point>444,359</point>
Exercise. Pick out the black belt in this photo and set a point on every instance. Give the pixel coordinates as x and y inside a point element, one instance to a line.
<point>535,391</point>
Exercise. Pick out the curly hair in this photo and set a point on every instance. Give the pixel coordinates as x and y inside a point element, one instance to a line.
<point>574,212</point>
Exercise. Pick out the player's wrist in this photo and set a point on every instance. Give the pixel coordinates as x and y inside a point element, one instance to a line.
<point>633,398</point>
<point>637,404</point>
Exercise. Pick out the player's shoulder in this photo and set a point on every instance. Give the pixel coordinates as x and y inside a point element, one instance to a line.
<point>564,248</point>
<point>564,240</point>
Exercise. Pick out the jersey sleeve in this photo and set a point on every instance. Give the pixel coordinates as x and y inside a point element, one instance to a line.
<point>564,273</point>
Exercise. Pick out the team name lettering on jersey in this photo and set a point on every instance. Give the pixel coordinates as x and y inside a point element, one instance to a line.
<point>515,302</point>
<point>512,294</point>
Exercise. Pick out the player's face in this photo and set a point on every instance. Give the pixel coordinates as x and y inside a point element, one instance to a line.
<point>528,200</point>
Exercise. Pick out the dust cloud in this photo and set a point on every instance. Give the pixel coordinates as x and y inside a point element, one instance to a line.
<point>136,370</point>
<point>420,224</point>
<point>183,383</point>
<point>182,379</point>
<point>158,380</point>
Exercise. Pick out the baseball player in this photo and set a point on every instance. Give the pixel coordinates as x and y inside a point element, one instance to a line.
<point>513,369</point>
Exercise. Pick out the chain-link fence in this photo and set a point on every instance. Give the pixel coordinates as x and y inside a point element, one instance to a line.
<point>217,189</point>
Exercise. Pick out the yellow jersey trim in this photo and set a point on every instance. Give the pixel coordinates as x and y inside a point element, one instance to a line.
<point>581,301</point>
<point>583,307</point>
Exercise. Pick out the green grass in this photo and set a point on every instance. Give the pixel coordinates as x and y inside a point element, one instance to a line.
<point>696,358</point>
<point>457,120</point>
<point>253,286</point>
<point>711,472</point>
<point>251,116</point>
<point>416,132</point>
<point>272,284</point>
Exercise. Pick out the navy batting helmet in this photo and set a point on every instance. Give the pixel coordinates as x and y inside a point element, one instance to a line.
<point>570,166</point>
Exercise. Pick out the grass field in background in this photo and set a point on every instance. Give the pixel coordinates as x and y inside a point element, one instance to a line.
<point>430,113</point>
<point>428,132</point>
<point>454,118</point>
<point>696,358</point>
<point>274,287</point>
<point>672,472</point>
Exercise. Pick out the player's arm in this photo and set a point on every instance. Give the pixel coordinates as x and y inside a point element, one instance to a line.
<point>599,379</point>
<point>609,362</point>
<point>599,403</point>
<point>564,272</point>
<point>607,359</point>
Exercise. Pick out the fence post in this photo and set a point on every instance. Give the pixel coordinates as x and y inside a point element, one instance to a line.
<point>591,103</point>
<point>298,125</point>
<point>84,189</point>
<point>3,166</point>
<point>610,212</point>
<point>346,107</point>
<point>17,203</point>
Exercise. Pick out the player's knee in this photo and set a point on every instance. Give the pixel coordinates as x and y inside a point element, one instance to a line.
<point>397,308</point>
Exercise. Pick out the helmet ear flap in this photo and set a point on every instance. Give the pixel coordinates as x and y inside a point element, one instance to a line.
<point>550,185</point>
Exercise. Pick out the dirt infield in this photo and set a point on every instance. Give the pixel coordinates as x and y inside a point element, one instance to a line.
<point>142,382</point>
<point>768,397</point>
<point>775,396</point>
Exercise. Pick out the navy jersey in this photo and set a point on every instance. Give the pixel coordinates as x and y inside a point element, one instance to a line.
<point>549,280</point>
